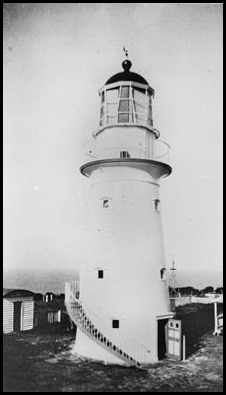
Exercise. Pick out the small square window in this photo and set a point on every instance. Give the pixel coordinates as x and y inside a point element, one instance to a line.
<point>100,274</point>
<point>115,324</point>
<point>105,203</point>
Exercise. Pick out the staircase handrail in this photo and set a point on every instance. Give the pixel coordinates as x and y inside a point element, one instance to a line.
<point>130,346</point>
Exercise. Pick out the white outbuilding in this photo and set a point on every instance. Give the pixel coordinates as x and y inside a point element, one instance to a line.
<point>218,315</point>
<point>18,310</point>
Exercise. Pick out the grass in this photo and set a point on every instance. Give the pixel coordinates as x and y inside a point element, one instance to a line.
<point>38,362</point>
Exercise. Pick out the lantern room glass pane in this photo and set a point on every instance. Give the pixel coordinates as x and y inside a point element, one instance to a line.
<point>125,92</point>
<point>123,118</point>
<point>150,121</point>
<point>112,95</point>
<point>141,105</point>
<point>141,113</point>
<point>102,111</point>
<point>124,106</point>
<point>140,109</point>
<point>112,109</point>
<point>125,111</point>
<point>139,94</point>
<point>101,115</point>
<point>111,120</point>
<point>150,115</point>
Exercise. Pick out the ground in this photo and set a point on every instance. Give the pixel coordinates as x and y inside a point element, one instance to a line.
<point>44,363</point>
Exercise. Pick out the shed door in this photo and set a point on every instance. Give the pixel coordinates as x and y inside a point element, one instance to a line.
<point>17,316</point>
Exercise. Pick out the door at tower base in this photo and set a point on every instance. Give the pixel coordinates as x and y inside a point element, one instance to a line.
<point>162,333</point>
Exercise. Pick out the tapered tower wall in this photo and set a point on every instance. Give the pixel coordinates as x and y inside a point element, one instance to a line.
<point>127,244</point>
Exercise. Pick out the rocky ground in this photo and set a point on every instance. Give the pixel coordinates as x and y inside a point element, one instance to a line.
<point>44,363</point>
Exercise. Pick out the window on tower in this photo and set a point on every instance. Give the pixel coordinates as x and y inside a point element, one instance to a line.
<point>157,205</point>
<point>115,324</point>
<point>100,273</point>
<point>163,273</point>
<point>105,203</point>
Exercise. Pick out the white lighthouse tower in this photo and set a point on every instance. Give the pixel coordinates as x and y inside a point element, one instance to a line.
<point>121,305</point>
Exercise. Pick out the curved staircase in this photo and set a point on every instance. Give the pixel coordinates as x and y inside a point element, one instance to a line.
<point>131,352</point>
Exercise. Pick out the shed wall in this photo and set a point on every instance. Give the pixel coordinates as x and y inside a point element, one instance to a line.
<point>7,316</point>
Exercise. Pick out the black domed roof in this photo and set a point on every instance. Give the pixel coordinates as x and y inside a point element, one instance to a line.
<point>127,75</point>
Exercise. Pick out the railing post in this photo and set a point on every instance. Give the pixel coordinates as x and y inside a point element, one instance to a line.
<point>184,348</point>
<point>215,318</point>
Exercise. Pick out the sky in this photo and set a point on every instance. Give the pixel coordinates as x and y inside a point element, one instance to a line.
<point>56,57</point>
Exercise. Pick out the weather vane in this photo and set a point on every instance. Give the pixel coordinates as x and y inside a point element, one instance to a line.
<point>126,52</point>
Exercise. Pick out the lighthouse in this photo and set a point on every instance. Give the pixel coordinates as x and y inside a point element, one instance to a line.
<point>121,303</point>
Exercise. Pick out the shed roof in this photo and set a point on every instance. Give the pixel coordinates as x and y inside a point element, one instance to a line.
<point>6,290</point>
<point>49,293</point>
<point>14,293</point>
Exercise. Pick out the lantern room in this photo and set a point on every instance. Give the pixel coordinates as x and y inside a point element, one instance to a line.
<point>126,98</point>
<point>126,130</point>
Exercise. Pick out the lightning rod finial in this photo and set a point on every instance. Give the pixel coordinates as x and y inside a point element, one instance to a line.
<point>126,52</point>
